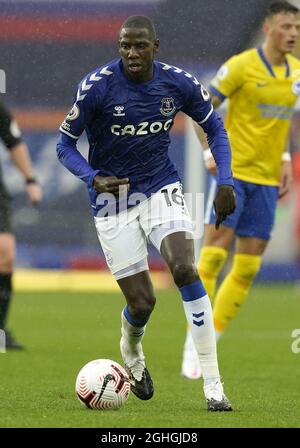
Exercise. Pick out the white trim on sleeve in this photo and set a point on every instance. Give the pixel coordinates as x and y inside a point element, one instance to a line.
<point>207,116</point>
<point>68,133</point>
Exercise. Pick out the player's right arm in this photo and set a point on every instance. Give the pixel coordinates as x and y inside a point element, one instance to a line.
<point>110,184</point>
<point>72,159</point>
<point>87,100</point>
<point>71,129</point>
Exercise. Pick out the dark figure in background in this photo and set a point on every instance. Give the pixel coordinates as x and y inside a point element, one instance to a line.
<point>11,136</point>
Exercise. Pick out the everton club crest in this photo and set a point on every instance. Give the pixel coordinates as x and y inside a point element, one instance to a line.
<point>167,106</point>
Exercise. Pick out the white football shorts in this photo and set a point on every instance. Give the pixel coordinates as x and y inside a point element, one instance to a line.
<point>124,237</point>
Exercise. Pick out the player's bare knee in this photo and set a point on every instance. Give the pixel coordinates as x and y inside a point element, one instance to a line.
<point>7,260</point>
<point>142,307</point>
<point>7,252</point>
<point>184,274</point>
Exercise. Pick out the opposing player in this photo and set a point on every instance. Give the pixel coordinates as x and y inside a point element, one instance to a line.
<point>262,85</point>
<point>127,109</point>
<point>11,136</point>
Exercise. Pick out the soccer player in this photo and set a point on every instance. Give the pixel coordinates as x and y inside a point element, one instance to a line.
<point>127,109</point>
<point>11,136</point>
<point>261,85</point>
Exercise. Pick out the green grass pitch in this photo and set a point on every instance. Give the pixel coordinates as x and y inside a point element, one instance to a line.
<point>63,331</point>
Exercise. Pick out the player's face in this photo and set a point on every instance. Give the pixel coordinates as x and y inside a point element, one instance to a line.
<point>282,30</point>
<point>137,50</point>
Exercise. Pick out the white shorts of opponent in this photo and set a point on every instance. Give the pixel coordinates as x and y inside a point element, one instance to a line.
<point>124,237</point>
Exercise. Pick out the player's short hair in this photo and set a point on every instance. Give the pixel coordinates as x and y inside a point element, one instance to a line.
<point>280,6</point>
<point>140,22</point>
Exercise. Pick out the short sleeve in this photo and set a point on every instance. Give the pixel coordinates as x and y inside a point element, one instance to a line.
<point>229,77</point>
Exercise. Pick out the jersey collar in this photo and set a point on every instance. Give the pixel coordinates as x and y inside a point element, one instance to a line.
<point>269,67</point>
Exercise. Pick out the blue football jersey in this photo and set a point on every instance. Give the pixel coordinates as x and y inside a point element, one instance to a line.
<point>128,123</point>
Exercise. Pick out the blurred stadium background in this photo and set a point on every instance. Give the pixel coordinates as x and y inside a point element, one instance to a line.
<point>46,48</point>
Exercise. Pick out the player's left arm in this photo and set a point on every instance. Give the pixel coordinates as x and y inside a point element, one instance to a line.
<point>225,201</point>
<point>208,158</point>
<point>201,110</point>
<point>286,174</point>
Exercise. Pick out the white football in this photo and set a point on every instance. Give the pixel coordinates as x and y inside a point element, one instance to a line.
<point>102,384</point>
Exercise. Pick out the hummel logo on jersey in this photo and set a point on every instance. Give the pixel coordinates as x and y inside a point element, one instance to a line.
<point>119,111</point>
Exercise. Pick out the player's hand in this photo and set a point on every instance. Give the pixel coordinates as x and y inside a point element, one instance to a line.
<point>224,203</point>
<point>286,179</point>
<point>110,184</point>
<point>34,193</point>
